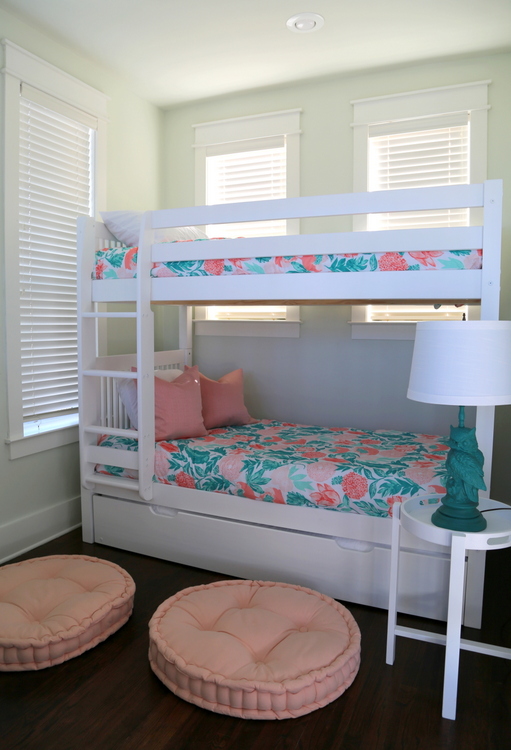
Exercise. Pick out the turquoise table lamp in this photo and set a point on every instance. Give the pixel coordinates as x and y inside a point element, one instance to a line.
<point>462,363</point>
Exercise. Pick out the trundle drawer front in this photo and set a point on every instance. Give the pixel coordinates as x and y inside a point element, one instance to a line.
<point>268,553</point>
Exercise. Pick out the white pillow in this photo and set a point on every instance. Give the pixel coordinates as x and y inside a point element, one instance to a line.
<point>125,225</point>
<point>127,390</point>
<point>168,375</point>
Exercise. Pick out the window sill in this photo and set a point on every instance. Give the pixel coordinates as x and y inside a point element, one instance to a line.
<point>263,328</point>
<point>43,441</point>
<point>389,331</point>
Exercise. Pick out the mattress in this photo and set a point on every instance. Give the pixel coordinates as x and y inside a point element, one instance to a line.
<point>347,470</point>
<point>121,263</point>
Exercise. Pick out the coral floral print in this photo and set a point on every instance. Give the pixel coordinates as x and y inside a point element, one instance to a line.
<point>120,263</point>
<point>340,469</point>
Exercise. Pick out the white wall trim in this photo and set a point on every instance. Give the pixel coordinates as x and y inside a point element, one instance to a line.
<point>423,93</point>
<point>45,441</point>
<point>26,533</point>
<point>292,116</point>
<point>53,81</point>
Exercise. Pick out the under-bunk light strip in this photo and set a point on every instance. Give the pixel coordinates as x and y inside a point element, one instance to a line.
<point>55,173</point>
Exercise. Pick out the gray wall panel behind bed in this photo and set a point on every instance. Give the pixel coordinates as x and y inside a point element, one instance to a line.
<point>324,377</point>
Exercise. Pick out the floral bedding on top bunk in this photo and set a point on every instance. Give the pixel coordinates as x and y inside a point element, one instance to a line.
<point>348,470</point>
<point>121,263</point>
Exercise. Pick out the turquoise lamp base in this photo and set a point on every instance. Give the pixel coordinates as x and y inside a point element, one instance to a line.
<point>458,510</point>
<point>463,519</point>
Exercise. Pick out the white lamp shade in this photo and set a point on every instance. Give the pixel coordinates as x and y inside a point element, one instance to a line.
<point>465,363</point>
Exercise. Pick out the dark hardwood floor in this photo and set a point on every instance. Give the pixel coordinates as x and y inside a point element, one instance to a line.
<point>109,699</point>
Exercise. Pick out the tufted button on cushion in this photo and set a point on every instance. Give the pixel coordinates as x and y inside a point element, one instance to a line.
<point>255,662</point>
<point>54,608</point>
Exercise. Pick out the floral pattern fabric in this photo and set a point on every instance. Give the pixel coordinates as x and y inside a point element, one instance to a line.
<point>121,263</point>
<point>347,470</point>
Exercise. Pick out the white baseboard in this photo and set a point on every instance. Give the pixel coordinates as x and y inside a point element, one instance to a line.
<point>23,534</point>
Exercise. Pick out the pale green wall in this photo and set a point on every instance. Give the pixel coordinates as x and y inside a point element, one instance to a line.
<point>325,377</point>
<point>30,487</point>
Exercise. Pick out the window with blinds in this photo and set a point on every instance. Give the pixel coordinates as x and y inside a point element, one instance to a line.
<point>258,174</point>
<point>244,159</point>
<point>419,158</point>
<point>426,138</point>
<point>55,187</point>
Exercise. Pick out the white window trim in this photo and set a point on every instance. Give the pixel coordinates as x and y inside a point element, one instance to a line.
<point>212,137</point>
<point>22,67</point>
<point>288,328</point>
<point>411,106</point>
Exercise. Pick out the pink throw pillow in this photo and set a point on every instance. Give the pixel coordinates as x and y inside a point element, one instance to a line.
<point>177,406</point>
<point>222,400</point>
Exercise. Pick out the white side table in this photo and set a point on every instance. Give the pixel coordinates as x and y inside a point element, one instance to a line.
<point>415,517</point>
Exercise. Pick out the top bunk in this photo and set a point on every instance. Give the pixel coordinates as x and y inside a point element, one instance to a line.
<point>447,264</point>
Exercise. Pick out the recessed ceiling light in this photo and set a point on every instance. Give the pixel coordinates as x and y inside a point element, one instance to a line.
<point>304,23</point>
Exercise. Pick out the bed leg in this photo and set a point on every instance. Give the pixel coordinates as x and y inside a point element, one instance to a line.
<point>87,517</point>
<point>474,588</point>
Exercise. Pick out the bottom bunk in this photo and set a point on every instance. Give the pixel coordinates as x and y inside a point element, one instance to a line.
<point>271,501</point>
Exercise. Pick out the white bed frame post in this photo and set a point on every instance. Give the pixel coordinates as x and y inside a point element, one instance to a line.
<point>485,415</point>
<point>185,332</point>
<point>145,361</point>
<point>88,388</point>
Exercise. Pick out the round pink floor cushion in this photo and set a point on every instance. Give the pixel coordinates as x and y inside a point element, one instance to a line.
<point>254,649</point>
<point>54,608</point>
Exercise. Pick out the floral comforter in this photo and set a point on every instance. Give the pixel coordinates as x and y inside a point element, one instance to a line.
<point>348,470</point>
<point>121,263</point>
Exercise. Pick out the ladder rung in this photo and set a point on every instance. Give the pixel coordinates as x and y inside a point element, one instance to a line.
<point>109,315</point>
<point>115,431</point>
<point>111,373</point>
<point>129,484</point>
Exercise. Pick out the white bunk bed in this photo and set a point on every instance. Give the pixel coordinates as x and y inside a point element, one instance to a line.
<point>345,555</point>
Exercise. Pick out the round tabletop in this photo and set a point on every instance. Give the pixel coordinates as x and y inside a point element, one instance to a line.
<point>416,515</point>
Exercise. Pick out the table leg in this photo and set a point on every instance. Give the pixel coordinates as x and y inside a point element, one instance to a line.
<point>474,588</point>
<point>393,583</point>
<point>454,617</point>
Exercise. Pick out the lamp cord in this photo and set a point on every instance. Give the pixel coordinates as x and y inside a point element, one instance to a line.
<point>489,510</point>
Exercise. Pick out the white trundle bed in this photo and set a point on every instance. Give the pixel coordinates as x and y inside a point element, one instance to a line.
<point>343,554</point>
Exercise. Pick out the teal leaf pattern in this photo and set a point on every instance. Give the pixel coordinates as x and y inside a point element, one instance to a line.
<point>120,262</point>
<point>340,469</point>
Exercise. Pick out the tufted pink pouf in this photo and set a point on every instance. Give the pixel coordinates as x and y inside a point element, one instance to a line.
<point>54,608</point>
<point>254,649</point>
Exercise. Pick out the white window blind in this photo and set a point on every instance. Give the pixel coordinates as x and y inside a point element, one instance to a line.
<point>419,158</point>
<point>56,186</point>
<point>257,174</point>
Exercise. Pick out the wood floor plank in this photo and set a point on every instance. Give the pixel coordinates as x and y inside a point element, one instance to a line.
<point>109,699</point>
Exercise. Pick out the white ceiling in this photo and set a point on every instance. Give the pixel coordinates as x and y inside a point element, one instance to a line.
<point>174,51</point>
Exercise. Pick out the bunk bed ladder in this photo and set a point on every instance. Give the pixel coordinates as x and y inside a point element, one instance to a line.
<point>101,411</point>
